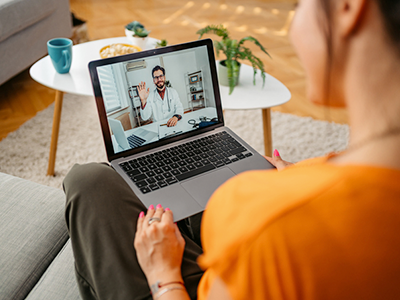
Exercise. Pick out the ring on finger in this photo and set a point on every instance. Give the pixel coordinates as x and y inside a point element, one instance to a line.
<point>152,220</point>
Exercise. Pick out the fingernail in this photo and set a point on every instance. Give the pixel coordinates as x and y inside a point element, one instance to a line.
<point>276,153</point>
<point>151,206</point>
<point>158,206</point>
<point>141,215</point>
<point>167,209</point>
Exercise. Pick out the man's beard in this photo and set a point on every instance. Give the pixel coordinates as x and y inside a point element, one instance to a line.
<point>162,86</point>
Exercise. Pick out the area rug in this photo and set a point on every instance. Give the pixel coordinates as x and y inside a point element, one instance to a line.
<point>24,153</point>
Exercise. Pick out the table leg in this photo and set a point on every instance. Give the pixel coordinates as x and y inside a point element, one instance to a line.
<point>54,133</point>
<point>266,116</point>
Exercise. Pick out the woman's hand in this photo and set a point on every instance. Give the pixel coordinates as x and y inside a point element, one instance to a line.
<point>159,245</point>
<point>277,161</point>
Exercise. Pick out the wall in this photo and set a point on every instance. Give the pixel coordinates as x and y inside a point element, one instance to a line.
<point>176,68</point>
<point>203,64</point>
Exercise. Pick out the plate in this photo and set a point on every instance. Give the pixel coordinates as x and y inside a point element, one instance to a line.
<point>118,49</point>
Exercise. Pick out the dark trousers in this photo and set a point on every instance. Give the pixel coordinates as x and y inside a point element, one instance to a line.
<point>101,214</point>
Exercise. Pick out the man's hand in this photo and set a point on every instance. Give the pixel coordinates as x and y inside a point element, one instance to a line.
<point>143,93</point>
<point>172,122</point>
<point>277,161</point>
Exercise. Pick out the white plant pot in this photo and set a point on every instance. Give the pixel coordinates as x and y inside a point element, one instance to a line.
<point>136,41</point>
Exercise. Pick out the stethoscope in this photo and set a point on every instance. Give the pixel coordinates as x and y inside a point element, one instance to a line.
<point>168,100</point>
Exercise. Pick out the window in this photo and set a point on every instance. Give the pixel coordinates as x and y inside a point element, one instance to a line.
<point>109,89</point>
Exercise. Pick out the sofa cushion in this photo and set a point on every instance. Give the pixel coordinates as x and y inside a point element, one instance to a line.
<point>16,15</point>
<point>59,282</point>
<point>33,231</point>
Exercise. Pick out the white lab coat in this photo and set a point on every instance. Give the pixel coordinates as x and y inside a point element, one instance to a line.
<point>161,109</point>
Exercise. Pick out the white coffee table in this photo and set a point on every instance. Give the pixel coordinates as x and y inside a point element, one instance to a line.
<point>77,81</point>
<point>247,96</point>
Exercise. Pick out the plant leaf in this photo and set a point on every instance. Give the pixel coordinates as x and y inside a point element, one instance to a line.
<point>251,39</point>
<point>216,29</point>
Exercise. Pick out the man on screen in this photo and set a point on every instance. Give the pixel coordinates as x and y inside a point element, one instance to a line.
<point>161,103</point>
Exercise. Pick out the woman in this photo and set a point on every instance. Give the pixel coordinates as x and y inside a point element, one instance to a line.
<point>326,230</point>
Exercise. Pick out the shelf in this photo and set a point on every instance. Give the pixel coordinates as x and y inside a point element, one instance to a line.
<point>196,92</point>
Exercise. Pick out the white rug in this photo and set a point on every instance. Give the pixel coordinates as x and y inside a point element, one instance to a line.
<point>24,153</point>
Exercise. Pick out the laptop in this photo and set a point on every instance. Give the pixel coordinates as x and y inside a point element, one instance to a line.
<point>180,167</point>
<point>123,142</point>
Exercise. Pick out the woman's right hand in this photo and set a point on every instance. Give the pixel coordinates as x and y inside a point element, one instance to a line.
<point>277,161</point>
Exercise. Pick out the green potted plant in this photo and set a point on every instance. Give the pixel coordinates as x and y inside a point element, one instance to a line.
<point>162,43</point>
<point>137,34</point>
<point>229,68</point>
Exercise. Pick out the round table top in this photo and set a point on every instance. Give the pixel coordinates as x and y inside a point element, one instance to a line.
<point>248,96</point>
<point>77,81</point>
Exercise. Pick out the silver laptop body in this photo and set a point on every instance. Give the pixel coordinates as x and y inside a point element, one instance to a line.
<point>206,152</point>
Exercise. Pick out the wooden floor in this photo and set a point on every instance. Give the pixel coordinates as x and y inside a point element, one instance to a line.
<point>177,21</point>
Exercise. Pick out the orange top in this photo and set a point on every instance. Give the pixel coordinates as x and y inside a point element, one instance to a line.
<point>313,231</point>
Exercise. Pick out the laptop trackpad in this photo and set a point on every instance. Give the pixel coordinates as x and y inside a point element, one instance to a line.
<point>202,187</point>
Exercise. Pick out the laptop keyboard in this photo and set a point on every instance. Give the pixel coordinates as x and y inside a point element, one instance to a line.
<point>135,141</point>
<point>169,166</point>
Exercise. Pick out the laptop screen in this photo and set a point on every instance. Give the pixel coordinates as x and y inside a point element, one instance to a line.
<point>157,95</point>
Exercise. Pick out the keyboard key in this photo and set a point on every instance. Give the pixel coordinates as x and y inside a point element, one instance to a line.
<point>175,158</point>
<point>167,168</point>
<point>183,169</point>
<point>139,177</point>
<point>171,180</point>
<point>182,163</point>
<point>248,154</point>
<point>174,166</point>
<point>238,150</point>
<point>167,175</point>
<point>140,184</point>
<point>175,172</point>
<point>227,161</point>
<point>145,190</point>
<point>195,172</point>
<point>150,180</point>
<point>219,164</point>
<point>213,159</point>
<point>183,156</point>
<point>196,158</point>
<point>190,167</point>
<point>240,156</point>
<point>203,155</point>
<point>205,161</point>
<point>154,187</point>
<point>152,166</point>
<point>127,168</point>
<point>198,164</point>
<point>189,160</point>
<point>159,177</point>
<point>235,159</point>
<point>162,184</point>
<point>168,161</point>
<point>158,171</point>
<point>151,174</point>
<point>133,173</point>
<point>144,169</point>
<point>160,164</point>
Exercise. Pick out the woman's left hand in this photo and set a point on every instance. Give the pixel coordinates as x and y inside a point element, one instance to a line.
<point>159,245</point>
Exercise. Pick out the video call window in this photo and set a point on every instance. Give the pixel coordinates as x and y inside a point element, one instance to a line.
<point>157,97</point>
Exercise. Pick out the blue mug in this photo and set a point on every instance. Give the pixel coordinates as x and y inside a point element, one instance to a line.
<point>60,52</point>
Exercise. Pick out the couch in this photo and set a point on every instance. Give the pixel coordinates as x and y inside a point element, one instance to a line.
<point>36,259</point>
<point>25,28</point>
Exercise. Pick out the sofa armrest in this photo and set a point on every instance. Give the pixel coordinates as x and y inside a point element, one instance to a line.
<point>33,231</point>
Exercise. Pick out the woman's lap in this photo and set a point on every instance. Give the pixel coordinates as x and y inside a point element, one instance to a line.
<point>101,213</point>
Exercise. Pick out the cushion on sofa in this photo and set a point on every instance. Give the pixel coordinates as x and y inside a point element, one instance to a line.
<point>16,15</point>
<point>59,282</point>
<point>33,231</point>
